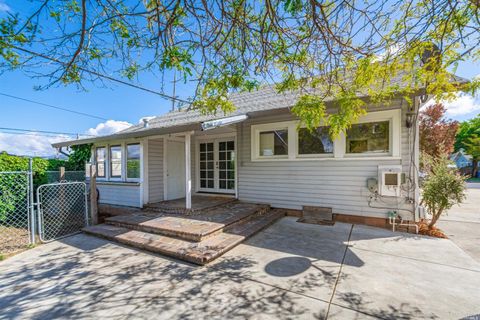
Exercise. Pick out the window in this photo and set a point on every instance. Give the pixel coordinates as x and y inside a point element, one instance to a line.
<point>133,161</point>
<point>372,137</point>
<point>100,160</point>
<point>316,142</point>
<point>273,143</point>
<point>115,161</point>
<point>376,135</point>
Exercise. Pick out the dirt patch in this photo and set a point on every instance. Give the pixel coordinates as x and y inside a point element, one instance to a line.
<point>13,239</point>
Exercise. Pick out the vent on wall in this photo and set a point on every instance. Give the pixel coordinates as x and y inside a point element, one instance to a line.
<point>390,180</point>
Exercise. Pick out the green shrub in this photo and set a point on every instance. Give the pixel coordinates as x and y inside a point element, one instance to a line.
<point>443,188</point>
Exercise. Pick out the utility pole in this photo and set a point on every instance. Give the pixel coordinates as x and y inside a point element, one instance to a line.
<point>174,85</point>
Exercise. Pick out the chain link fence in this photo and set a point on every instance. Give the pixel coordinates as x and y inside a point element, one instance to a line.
<point>62,209</point>
<point>14,211</point>
<point>54,176</point>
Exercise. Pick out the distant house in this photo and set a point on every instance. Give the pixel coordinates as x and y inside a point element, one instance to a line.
<point>259,154</point>
<point>461,159</point>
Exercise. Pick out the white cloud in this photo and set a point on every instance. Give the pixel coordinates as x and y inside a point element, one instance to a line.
<point>108,127</point>
<point>464,104</point>
<point>4,7</point>
<point>37,144</point>
<point>29,144</point>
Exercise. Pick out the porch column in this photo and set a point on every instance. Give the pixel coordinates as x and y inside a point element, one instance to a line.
<point>188,174</point>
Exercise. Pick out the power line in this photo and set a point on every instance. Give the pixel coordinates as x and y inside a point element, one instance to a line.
<point>52,106</point>
<point>32,134</point>
<point>163,95</point>
<point>22,131</point>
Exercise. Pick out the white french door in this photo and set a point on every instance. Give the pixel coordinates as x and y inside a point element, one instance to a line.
<point>216,165</point>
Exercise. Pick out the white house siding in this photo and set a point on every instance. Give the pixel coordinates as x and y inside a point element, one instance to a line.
<point>336,183</point>
<point>122,194</point>
<point>155,170</point>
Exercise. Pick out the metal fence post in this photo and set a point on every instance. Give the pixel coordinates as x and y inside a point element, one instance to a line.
<point>32,205</point>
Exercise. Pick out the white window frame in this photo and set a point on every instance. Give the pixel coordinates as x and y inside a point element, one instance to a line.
<point>257,129</point>
<point>122,156</point>
<point>339,144</point>
<point>124,165</point>
<point>394,119</point>
<point>105,162</point>
<point>312,155</point>
<point>123,146</point>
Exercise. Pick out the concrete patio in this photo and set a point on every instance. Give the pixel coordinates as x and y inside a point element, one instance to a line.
<point>288,271</point>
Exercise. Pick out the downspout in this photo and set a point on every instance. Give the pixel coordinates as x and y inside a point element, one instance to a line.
<point>63,152</point>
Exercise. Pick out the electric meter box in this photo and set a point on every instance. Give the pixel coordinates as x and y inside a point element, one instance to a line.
<point>389,180</point>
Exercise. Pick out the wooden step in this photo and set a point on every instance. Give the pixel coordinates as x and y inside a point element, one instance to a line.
<point>190,227</point>
<point>195,252</point>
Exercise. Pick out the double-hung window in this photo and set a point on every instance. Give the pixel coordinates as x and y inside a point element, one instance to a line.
<point>133,161</point>
<point>116,162</point>
<point>100,159</point>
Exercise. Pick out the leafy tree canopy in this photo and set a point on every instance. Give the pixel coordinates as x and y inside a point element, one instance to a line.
<point>437,134</point>
<point>340,48</point>
<point>467,130</point>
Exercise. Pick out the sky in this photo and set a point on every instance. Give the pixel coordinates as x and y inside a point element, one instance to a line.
<point>120,105</point>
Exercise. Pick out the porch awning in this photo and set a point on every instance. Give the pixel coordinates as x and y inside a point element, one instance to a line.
<point>217,123</point>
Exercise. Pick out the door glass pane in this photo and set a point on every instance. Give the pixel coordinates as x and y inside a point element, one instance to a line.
<point>226,165</point>
<point>206,165</point>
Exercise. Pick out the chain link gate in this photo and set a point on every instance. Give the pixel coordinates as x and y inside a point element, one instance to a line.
<point>16,204</point>
<point>62,209</point>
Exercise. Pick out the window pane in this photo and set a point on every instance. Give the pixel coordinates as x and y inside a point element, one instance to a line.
<point>315,142</point>
<point>115,161</point>
<point>100,159</point>
<point>369,138</point>
<point>101,169</point>
<point>133,161</point>
<point>274,143</point>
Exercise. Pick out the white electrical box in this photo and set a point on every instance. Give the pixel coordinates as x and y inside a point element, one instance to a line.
<point>389,180</point>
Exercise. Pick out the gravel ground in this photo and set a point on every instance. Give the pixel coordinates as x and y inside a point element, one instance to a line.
<point>13,240</point>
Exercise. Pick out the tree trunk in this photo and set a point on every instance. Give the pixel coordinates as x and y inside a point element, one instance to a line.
<point>474,168</point>
<point>435,218</point>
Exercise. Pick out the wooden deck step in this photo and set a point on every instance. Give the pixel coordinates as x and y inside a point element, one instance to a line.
<point>190,227</point>
<point>195,252</point>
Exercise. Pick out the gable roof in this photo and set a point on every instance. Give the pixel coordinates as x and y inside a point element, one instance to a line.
<point>266,98</point>
<point>459,154</point>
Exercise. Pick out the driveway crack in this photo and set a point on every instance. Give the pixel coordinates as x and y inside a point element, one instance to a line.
<point>339,273</point>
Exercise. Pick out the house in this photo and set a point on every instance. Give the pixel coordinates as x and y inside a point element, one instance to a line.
<point>258,154</point>
<point>461,159</point>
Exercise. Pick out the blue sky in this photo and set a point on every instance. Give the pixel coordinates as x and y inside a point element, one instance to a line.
<point>120,103</point>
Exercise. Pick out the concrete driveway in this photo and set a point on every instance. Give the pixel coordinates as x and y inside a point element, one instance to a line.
<point>462,223</point>
<point>289,271</point>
